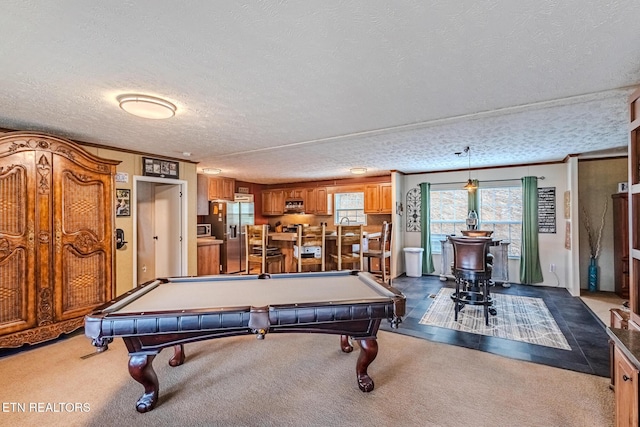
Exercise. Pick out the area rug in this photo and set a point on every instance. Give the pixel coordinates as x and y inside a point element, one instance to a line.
<point>519,318</point>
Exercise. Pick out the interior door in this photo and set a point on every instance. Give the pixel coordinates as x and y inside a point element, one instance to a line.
<point>167,235</point>
<point>145,231</point>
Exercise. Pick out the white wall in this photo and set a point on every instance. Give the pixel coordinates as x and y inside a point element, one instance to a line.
<point>552,246</point>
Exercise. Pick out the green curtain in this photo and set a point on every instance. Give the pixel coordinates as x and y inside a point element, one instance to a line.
<point>530,270</point>
<point>425,227</point>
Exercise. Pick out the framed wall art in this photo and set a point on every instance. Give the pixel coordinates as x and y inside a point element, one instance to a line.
<point>123,202</point>
<point>160,168</point>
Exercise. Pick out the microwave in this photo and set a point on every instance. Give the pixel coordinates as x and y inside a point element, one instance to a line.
<point>203,230</point>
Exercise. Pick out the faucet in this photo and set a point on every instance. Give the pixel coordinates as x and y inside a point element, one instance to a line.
<point>343,218</point>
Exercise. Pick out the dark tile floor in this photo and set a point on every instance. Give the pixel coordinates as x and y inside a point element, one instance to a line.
<point>584,331</point>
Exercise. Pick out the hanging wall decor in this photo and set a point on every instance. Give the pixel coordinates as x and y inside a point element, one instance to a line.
<point>160,168</point>
<point>413,209</point>
<point>547,210</point>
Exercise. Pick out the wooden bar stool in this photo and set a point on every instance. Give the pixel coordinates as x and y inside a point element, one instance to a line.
<point>349,235</point>
<point>257,250</point>
<point>310,237</point>
<point>382,253</point>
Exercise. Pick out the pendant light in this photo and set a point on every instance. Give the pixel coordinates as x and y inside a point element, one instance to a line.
<point>469,186</point>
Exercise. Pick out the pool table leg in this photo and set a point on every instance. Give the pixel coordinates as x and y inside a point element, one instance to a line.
<point>345,345</point>
<point>368,353</point>
<point>178,355</point>
<point>141,370</point>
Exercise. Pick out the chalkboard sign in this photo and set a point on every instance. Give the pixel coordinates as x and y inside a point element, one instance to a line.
<point>547,210</point>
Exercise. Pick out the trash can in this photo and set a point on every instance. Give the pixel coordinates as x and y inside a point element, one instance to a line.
<point>413,261</point>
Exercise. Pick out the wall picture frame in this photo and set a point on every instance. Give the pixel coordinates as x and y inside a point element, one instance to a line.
<point>123,202</point>
<point>160,168</point>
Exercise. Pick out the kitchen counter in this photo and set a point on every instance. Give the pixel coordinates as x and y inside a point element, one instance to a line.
<point>208,256</point>
<point>206,241</point>
<point>285,242</point>
<point>292,237</point>
<point>628,342</point>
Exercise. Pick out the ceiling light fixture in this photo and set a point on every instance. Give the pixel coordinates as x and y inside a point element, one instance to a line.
<point>358,171</point>
<point>147,107</point>
<point>469,186</point>
<point>211,171</point>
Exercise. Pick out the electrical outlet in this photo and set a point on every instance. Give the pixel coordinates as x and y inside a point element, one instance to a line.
<point>552,268</point>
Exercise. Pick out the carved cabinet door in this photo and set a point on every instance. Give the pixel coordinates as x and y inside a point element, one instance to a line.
<point>82,235</point>
<point>17,242</point>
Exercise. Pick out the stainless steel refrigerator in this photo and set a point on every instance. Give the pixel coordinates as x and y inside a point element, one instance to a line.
<point>228,221</point>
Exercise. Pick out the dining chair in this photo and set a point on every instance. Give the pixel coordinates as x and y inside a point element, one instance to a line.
<point>381,254</point>
<point>348,236</point>
<point>257,250</point>
<point>472,271</point>
<point>310,237</point>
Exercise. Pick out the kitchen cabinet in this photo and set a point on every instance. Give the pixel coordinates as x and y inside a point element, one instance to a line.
<point>621,244</point>
<point>273,202</point>
<point>57,236</point>
<point>633,227</point>
<point>295,193</point>
<point>221,188</point>
<point>377,198</point>
<point>316,203</point>
<point>202,196</point>
<point>627,342</point>
<point>626,390</point>
<point>208,256</point>
<point>214,188</point>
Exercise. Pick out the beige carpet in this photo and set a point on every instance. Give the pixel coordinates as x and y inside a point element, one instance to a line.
<point>519,318</point>
<point>302,380</point>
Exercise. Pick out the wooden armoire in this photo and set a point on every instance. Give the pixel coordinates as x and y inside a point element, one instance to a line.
<point>56,236</point>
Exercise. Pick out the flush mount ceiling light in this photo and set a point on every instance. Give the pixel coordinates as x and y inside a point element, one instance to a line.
<point>211,171</point>
<point>358,171</point>
<point>147,107</point>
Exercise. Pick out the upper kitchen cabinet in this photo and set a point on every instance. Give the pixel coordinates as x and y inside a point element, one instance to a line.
<point>202,207</point>
<point>377,198</point>
<point>210,188</point>
<point>316,201</point>
<point>221,188</point>
<point>273,202</point>
<point>295,193</point>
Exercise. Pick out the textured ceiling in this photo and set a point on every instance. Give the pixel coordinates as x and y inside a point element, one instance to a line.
<point>285,91</point>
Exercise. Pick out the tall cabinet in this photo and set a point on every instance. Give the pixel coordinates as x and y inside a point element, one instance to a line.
<point>634,210</point>
<point>621,244</point>
<point>56,236</point>
<point>626,343</point>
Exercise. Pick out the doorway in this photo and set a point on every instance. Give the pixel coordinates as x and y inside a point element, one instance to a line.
<point>159,209</point>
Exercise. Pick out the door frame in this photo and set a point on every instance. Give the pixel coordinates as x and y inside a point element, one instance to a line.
<point>183,225</point>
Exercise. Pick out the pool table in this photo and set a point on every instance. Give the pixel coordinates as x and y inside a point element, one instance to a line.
<point>171,312</point>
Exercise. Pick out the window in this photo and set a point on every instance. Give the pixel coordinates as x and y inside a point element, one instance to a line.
<point>349,209</point>
<point>448,210</point>
<point>501,211</point>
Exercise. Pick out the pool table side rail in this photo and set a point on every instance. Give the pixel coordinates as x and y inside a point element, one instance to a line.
<point>358,320</point>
